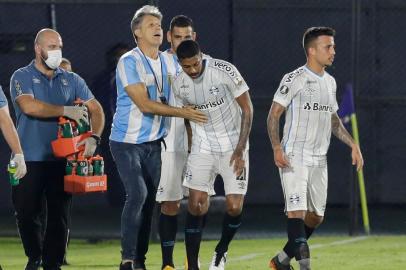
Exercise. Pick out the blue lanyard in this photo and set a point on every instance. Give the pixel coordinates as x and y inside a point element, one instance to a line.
<point>160,90</point>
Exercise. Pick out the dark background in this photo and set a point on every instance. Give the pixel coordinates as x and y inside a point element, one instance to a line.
<point>263,39</point>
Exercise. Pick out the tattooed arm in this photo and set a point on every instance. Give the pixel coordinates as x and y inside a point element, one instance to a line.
<point>244,101</point>
<point>273,132</point>
<point>338,129</point>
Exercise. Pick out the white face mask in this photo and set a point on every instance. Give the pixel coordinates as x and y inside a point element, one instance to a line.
<point>54,59</point>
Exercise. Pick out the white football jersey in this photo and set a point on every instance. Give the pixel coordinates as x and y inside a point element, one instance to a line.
<point>213,93</point>
<point>310,100</point>
<point>176,139</point>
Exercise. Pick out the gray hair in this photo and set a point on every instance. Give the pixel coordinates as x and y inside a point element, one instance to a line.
<point>140,13</point>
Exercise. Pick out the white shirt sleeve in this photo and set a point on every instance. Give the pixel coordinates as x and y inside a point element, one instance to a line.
<point>334,85</point>
<point>235,82</point>
<point>287,90</point>
<point>176,93</point>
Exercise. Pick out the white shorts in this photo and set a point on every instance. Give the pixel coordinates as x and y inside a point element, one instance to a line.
<point>304,188</point>
<point>202,169</point>
<point>170,186</point>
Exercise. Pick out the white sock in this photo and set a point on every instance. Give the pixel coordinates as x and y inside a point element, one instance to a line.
<point>304,264</point>
<point>283,258</point>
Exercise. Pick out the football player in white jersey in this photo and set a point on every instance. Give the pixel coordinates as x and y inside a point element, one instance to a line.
<point>174,155</point>
<point>308,96</point>
<point>219,146</point>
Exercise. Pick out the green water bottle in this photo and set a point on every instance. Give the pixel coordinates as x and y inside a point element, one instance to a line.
<point>67,131</point>
<point>70,165</point>
<point>90,169</point>
<point>82,126</point>
<point>98,165</point>
<point>12,169</point>
<point>82,168</point>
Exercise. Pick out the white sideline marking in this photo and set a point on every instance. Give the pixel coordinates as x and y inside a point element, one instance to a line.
<point>316,246</point>
<point>339,243</point>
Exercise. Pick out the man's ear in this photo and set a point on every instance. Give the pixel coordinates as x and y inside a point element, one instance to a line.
<point>194,36</point>
<point>37,49</point>
<point>311,51</point>
<point>168,36</point>
<point>137,32</point>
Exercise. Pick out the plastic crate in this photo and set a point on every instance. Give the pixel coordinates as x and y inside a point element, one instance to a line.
<point>63,147</point>
<point>77,184</point>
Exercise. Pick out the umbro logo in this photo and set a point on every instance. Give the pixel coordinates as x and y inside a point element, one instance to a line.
<point>184,94</point>
<point>309,91</point>
<point>184,90</point>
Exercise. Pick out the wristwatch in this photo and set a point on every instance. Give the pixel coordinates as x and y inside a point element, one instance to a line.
<point>97,138</point>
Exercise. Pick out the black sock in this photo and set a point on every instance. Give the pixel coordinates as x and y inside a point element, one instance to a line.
<point>168,225</point>
<point>289,247</point>
<point>204,221</point>
<point>297,237</point>
<point>230,227</point>
<point>309,231</point>
<point>193,237</point>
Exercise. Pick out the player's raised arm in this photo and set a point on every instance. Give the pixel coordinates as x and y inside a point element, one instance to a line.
<point>338,129</point>
<point>273,132</point>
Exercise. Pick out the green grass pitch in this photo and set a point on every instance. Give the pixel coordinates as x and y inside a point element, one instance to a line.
<point>331,253</point>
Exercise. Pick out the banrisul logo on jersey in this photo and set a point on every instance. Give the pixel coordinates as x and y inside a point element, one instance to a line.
<point>211,104</point>
<point>315,106</point>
